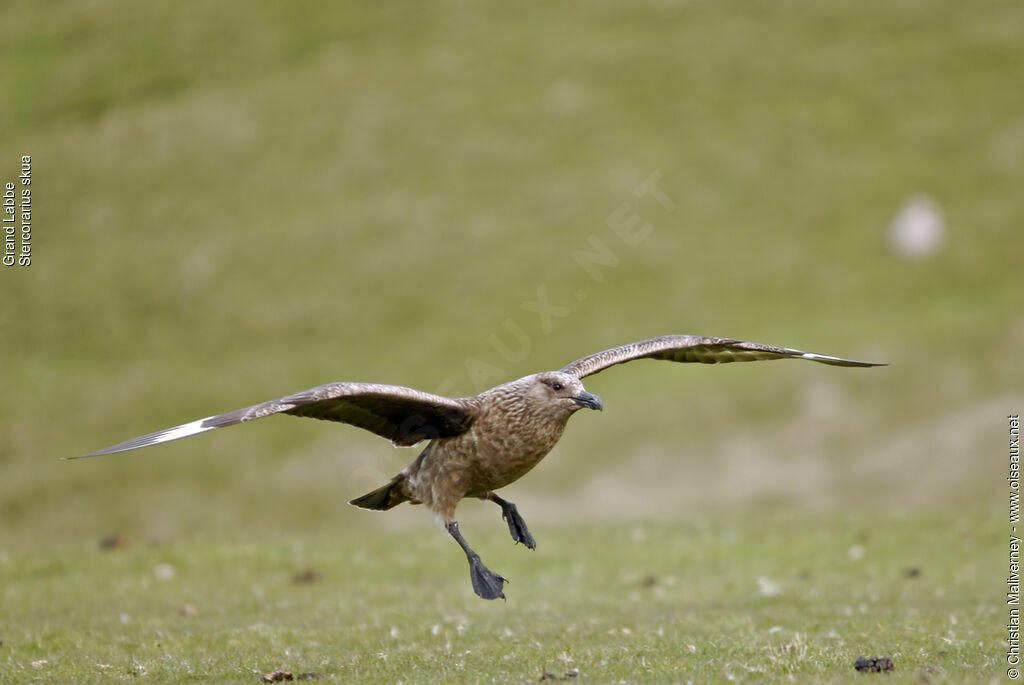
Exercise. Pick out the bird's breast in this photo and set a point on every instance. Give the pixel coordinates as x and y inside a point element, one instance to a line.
<point>501,457</point>
<point>485,458</point>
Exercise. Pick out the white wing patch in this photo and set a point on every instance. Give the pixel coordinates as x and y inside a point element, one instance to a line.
<point>821,357</point>
<point>182,431</point>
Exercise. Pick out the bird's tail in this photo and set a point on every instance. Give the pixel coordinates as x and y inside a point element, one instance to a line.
<point>390,495</point>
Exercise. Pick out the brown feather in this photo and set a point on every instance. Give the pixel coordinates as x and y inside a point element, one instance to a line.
<point>703,350</point>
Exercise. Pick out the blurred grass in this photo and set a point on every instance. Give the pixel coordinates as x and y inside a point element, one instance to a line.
<point>374,193</point>
<point>241,201</point>
<point>238,201</point>
<point>781,600</point>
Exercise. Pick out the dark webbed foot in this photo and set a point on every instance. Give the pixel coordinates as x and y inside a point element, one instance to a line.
<point>516,525</point>
<point>486,583</point>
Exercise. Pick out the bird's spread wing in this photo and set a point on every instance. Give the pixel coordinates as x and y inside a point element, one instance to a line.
<point>691,348</point>
<point>403,415</point>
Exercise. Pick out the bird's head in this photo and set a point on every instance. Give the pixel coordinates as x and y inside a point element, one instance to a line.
<point>562,390</point>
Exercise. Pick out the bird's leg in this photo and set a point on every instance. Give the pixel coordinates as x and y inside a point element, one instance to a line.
<point>486,582</point>
<point>516,524</point>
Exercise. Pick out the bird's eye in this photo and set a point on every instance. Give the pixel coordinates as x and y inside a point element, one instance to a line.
<point>556,386</point>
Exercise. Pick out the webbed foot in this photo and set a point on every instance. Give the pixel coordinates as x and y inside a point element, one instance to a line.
<point>486,583</point>
<point>516,525</point>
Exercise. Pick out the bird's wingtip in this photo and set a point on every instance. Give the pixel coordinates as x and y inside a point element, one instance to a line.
<point>88,456</point>
<point>166,435</point>
<point>80,456</point>
<point>839,361</point>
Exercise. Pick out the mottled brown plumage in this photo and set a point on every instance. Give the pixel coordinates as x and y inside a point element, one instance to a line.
<point>518,423</point>
<point>477,444</point>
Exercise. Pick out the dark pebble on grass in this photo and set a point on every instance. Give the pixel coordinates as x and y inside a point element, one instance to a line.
<point>307,576</point>
<point>277,676</point>
<point>913,572</point>
<point>113,542</point>
<point>875,665</point>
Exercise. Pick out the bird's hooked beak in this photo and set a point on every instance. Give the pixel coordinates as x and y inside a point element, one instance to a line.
<point>591,401</point>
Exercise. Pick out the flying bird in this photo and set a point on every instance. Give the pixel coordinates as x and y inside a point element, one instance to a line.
<point>476,445</point>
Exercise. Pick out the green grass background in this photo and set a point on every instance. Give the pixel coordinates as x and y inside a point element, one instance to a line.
<point>239,201</point>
